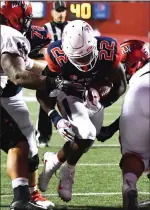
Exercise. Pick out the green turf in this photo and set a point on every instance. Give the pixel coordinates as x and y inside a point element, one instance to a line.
<point>89,178</point>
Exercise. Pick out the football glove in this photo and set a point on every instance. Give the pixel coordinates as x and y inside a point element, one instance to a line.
<point>107,132</point>
<point>64,127</point>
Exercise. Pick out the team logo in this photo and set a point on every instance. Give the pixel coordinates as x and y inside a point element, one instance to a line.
<point>126,49</point>
<point>145,50</point>
<point>22,49</point>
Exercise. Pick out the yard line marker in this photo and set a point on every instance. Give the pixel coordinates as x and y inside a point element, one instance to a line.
<point>98,164</point>
<point>106,145</point>
<point>86,194</point>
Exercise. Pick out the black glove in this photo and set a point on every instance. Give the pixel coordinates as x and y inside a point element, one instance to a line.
<point>108,131</point>
<point>69,86</point>
<point>105,134</point>
<point>52,83</point>
<point>58,82</point>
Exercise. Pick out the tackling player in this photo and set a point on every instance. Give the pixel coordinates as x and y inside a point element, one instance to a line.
<point>135,116</point>
<point>15,18</point>
<point>81,59</point>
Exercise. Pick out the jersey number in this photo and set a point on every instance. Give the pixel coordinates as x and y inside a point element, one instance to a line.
<point>108,52</point>
<point>59,56</point>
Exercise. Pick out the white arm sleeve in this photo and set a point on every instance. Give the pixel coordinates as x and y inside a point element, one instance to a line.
<point>17,45</point>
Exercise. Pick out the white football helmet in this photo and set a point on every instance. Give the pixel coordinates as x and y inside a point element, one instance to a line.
<point>80,45</point>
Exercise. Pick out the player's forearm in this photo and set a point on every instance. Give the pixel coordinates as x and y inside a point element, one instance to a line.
<point>30,80</point>
<point>119,90</point>
<point>123,85</point>
<point>33,81</point>
<point>119,80</point>
<point>39,66</point>
<point>114,127</point>
<point>14,67</point>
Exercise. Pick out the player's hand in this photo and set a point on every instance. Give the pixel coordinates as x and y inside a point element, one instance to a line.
<point>65,129</point>
<point>69,86</point>
<point>60,83</point>
<point>105,134</point>
<point>92,100</point>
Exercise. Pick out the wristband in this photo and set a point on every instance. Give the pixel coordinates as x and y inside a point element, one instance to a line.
<point>55,117</point>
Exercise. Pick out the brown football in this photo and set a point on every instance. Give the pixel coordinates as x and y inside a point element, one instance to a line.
<point>102,87</point>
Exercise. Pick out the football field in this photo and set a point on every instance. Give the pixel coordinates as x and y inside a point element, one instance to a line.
<point>98,176</point>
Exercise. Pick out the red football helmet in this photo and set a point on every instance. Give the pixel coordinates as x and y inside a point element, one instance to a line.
<point>17,14</point>
<point>134,55</point>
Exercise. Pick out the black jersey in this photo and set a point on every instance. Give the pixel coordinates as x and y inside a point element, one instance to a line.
<point>109,55</point>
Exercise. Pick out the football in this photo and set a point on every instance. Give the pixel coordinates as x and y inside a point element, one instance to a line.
<point>102,87</point>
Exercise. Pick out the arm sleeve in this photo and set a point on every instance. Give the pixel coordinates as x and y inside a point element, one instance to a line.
<point>51,60</point>
<point>118,55</point>
<point>16,45</point>
<point>19,46</point>
<point>49,73</point>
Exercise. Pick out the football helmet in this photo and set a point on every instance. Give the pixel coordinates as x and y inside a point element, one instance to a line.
<point>80,45</point>
<point>17,14</point>
<point>134,55</point>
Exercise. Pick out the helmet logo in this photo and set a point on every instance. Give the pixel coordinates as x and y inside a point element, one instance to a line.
<point>145,50</point>
<point>126,49</point>
<point>15,4</point>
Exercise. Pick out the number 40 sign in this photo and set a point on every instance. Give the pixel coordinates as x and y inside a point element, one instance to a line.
<point>81,10</point>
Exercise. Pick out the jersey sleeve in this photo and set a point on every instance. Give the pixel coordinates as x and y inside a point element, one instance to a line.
<point>16,45</point>
<point>51,58</point>
<point>38,37</point>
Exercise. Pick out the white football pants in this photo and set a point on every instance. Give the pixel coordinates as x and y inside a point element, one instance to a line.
<point>18,110</point>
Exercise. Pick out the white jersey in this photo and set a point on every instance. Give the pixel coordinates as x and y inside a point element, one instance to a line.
<point>135,78</point>
<point>14,42</point>
<point>135,116</point>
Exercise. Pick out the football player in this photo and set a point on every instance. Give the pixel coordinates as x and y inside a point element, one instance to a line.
<point>135,53</point>
<point>15,20</point>
<point>83,60</point>
<point>135,116</point>
<point>39,38</point>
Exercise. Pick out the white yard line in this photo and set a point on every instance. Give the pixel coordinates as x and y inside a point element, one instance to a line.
<point>87,194</point>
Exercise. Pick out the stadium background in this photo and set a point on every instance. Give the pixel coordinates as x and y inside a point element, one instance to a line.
<point>98,177</point>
